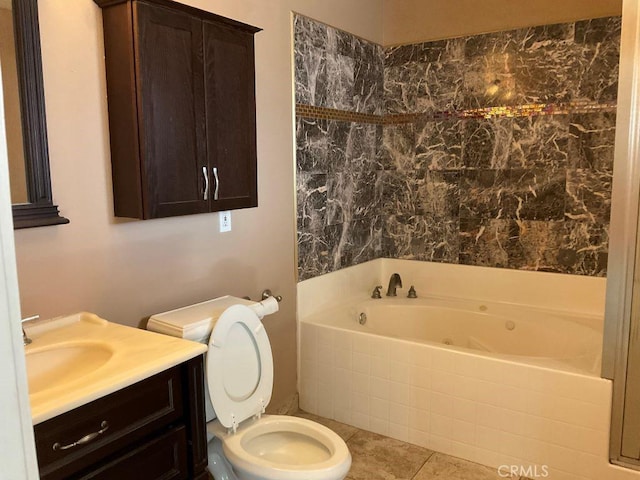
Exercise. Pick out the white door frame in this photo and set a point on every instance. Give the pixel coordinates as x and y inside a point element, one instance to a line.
<point>17,448</point>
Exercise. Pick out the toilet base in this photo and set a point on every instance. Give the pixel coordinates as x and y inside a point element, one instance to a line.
<point>219,466</point>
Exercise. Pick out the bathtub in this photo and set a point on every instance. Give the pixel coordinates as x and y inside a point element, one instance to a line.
<point>530,335</point>
<point>502,372</point>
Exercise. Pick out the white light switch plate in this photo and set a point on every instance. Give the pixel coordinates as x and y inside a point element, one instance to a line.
<point>225,221</point>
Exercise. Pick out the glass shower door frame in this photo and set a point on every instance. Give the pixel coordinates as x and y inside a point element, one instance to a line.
<point>621,353</point>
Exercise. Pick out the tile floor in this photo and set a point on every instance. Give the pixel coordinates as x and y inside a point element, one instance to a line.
<point>376,457</point>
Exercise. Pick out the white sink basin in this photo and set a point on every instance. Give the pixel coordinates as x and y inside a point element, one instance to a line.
<point>59,364</point>
<point>79,358</point>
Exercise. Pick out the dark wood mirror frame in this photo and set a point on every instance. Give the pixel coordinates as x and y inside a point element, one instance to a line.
<point>40,210</point>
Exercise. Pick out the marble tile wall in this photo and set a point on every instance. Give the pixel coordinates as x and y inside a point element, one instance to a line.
<point>336,69</point>
<point>493,150</point>
<point>339,181</point>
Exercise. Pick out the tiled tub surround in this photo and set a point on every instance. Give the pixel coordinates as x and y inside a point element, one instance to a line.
<point>485,408</point>
<point>430,178</point>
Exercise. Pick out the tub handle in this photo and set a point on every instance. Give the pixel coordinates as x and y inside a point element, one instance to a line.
<point>376,292</point>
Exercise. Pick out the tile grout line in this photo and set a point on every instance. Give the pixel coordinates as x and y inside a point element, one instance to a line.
<point>356,430</point>
<point>433,452</point>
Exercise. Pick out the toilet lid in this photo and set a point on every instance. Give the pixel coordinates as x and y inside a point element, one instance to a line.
<point>239,366</point>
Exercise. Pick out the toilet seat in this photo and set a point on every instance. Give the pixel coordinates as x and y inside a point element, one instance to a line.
<point>278,447</point>
<point>239,366</point>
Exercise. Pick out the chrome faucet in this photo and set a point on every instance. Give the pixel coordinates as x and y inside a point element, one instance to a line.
<point>25,339</point>
<point>394,282</point>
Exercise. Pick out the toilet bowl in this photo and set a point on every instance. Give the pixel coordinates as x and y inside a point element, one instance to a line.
<point>278,447</point>
<point>245,444</point>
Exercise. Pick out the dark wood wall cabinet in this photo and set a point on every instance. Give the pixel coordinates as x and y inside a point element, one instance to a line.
<point>152,430</point>
<point>181,95</point>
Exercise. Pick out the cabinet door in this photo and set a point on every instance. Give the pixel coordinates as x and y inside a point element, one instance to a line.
<point>170,85</point>
<point>231,131</point>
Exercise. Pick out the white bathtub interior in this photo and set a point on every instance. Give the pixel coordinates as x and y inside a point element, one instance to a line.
<point>487,399</point>
<point>532,335</point>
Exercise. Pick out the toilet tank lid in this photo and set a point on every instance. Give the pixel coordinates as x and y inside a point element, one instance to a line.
<point>193,322</point>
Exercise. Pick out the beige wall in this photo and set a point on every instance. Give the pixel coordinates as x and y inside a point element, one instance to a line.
<point>127,270</point>
<point>17,175</point>
<point>413,21</point>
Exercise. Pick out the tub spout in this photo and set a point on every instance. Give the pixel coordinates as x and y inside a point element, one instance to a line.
<point>394,282</point>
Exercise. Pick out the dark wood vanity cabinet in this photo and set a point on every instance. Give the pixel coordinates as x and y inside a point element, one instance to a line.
<point>154,429</point>
<point>181,96</point>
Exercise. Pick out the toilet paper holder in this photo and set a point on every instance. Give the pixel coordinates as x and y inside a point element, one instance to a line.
<point>267,293</point>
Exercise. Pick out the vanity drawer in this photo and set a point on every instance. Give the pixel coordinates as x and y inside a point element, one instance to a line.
<point>107,425</point>
<point>163,458</point>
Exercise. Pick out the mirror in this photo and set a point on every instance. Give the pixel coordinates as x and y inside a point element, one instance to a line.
<point>11,90</point>
<point>23,90</point>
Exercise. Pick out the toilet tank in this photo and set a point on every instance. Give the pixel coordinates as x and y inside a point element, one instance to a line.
<point>194,322</point>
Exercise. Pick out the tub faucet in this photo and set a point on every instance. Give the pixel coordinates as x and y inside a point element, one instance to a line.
<point>394,282</point>
<point>25,339</point>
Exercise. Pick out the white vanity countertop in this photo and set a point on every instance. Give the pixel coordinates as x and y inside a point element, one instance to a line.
<point>132,355</point>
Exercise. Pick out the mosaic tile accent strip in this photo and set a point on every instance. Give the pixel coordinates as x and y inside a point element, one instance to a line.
<point>493,150</point>
<point>310,111</point>
<point>323,113</point>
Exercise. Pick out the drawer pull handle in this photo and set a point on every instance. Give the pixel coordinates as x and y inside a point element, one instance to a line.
<point>104,426</point>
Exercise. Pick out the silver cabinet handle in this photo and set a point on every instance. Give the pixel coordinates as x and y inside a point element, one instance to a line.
<point>206,183</point>
<point>104,426</point>
<point>215,175</point>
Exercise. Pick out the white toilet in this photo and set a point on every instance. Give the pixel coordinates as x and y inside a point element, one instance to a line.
<point>245,444</point>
